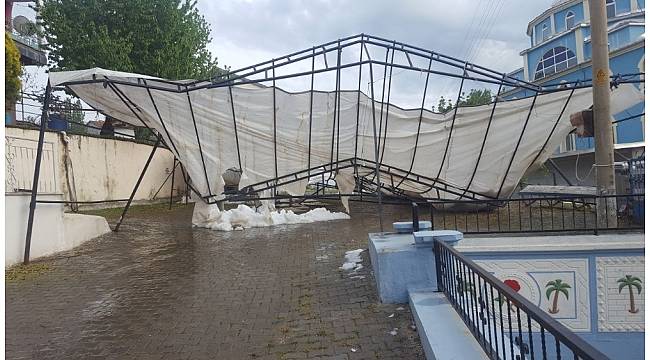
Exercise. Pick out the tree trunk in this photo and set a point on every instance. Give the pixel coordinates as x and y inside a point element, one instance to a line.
<point>632,309</point>
<point>554,309</point>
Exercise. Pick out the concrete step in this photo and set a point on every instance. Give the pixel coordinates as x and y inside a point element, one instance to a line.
<point>443,333</point>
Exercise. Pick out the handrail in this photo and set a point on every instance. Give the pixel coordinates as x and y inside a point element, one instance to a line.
<point>561,213</point>
<point>457,275</point>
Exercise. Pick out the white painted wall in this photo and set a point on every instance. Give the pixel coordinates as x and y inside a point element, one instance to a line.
<point>53,230</point>
<point>101,168</point>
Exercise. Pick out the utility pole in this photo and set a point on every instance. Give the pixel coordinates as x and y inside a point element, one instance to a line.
<point>603,135</point>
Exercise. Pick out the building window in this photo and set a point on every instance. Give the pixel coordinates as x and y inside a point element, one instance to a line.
<point>611,8</point>
<point>555,60</point>
<point>546,32</point>
<point>570,142</point>
<point>570,20</point>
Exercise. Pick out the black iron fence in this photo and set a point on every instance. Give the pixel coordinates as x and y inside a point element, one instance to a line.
<point>539,214</point>
<point>506,325</point>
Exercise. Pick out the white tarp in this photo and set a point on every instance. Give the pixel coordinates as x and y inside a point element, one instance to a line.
<point>255,129</point>
<point>244,217</point>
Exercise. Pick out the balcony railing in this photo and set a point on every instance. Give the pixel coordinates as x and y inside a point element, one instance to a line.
<point>506,325</point>
<point>32,41</point>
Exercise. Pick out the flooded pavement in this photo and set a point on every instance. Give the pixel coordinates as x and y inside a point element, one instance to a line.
<point>160,289</point>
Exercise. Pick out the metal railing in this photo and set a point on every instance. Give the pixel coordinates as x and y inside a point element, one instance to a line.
<point>32,41</point>
<point>539,214</point>
<point>506,325</point>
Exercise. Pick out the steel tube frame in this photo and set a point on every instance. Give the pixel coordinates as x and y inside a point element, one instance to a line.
<point>234,124</point>
<point>417,135</point>
<point>275,136</point>
<point>241,76</point>
<point>153,102</point>
<point>137,184</point>
<point>375,143</point>
<point>390,82</point>
<point>550,134</point>
<point>167,178</point>
<point>171,190</point>
<point>485,137</point>
<point>514,152</point>
<point>37,174</point>
<point>311,107</point>
<point>198,141</point>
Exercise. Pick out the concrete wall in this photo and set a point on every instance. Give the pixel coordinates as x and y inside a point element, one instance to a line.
<point>98,168</point>
<point>53,231</point>
<point>594,307</point>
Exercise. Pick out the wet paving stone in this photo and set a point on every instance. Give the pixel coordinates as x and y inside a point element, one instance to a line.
<point>160,289</point>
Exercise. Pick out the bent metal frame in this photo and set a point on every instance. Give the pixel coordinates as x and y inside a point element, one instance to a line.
<point>368,187</point>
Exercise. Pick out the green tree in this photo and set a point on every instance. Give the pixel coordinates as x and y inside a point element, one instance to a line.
<point>75,116</point>
<point>13,70</point>
<point>556,287</point>
<point>444,105</point>
<point>163,38</point>
<point>476,97</point>
<point>630,281</point>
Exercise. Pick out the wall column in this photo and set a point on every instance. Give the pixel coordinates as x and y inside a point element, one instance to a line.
<point>526,73</point>
<point>553,25</point>
<point>580,45</point>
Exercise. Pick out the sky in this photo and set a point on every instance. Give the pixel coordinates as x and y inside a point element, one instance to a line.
<point>487,32</point>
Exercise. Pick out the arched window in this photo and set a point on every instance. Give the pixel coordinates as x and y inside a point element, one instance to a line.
<point>569,20</point>
<point>611,8</point>
<point>555,60</point>
<point>546,33</point>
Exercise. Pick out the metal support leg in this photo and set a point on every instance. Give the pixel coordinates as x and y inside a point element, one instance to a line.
<point>186,180</point>
<point>137,184</point>
<point>37,173</point>
<point>557,169</point>
<point>376,145</point>
<point>416,219</point>
<point>171,191</point>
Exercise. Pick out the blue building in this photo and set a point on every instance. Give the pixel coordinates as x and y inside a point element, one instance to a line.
<point>560,51</point>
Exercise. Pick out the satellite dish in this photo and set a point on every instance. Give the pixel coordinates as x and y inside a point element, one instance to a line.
<point>24,26</point>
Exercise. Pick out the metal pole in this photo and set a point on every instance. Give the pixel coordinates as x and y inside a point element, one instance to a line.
<point>37,173</point>
<point>603,138</point>
<point>171,192</point>
<point>137,184</point>
<point>376,145</point>
<point>275,135</point>
<point>416,220</point>
<point>22,105</point>
<point>187,186</point>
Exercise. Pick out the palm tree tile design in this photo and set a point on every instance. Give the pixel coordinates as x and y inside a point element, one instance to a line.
<point>556,287</point>
<point>630,282</point>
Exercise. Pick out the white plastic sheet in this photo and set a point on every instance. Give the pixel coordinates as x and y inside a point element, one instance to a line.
<point>253,116</point>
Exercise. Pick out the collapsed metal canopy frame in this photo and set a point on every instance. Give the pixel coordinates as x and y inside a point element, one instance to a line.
<point>266,73</point>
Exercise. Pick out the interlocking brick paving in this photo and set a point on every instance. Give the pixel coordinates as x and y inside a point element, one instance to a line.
<point>160,289</point>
